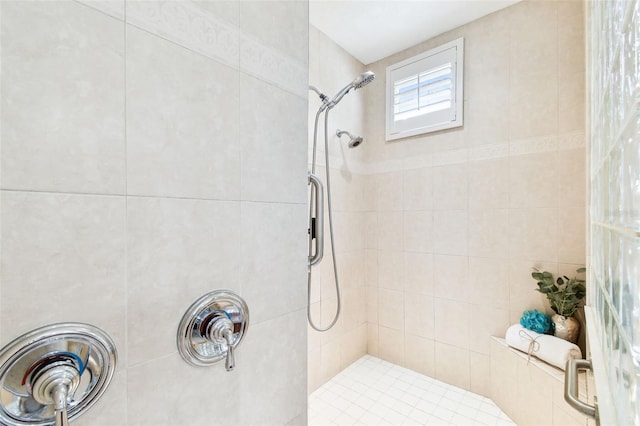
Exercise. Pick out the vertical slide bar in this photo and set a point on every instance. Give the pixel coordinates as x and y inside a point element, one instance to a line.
<point>317,199</point>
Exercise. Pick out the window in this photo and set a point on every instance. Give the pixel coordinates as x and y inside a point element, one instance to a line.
<point>424,93</point>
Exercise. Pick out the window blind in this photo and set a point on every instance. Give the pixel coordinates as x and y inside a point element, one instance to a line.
<point>420,94</point>
<point>424,93</point>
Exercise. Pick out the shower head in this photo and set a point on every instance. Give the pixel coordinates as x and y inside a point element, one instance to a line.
<point>364,79</point>
<point>361,81</point>
<point>354,140</point>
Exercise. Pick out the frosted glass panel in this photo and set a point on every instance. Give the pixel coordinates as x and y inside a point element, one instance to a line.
<point>614,290</point>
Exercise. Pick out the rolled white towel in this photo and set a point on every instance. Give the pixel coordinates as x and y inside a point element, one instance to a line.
<point>549,349</point>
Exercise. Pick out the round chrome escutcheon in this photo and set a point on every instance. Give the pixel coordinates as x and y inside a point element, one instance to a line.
<point>85,351</point>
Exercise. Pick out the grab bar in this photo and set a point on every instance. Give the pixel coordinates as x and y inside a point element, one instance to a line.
<point>571,387</point>
<point>317,225</point>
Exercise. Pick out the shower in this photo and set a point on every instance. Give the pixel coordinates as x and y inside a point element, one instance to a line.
<point>316,203</point>
<point>354,140</point>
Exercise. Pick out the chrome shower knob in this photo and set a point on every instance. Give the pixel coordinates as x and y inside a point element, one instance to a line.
<point>212,329</point>
<point>53,380</point>
<point>53,374</point>
<point>221,329</point>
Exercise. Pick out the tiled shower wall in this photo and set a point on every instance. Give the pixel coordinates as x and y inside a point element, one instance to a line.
<point>151,152</point>
<point>614,121</point>
<point>460,217</point>
<point>330,69</point>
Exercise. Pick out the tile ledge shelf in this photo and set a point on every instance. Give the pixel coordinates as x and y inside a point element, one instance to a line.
<point>554,372</point>
<point>536,374</point>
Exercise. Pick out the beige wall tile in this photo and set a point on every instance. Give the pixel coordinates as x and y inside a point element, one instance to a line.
<point>489,184</point>
<point>114,8</point>
<point>503,369</point>
<point>390,196</point>
<point>391,309</point>
<point>420,354</point>
<point>571,239</point>
<point>485,322</point>
<point>371,268</point>
<point>370,230</point>
<point>390,230</point>
<point>480,374</point>
<point>63,260</point>
<point>533,62</point>
<point>534,406</point>
<point>571,66</point>
<point>146,408</point>
<point>452,323</point>
<point>328,309</point>
<point>418,231</point>
<point>488,233</point>
<point>166,129</point>
<point>450,232</point>
<point>62,99</point>
<point>450,187</point>
<point>418,189</point>
<point>212,37</point>
<point>372,304</point>
<point>419,275</point>
<point>330,360</point>
<point>293,41</point>
<point>314,340</point>
<point>390,270</point>
<point>354,344</point>
<point>571,178</point>
<point>281,375</point>
<point>488,282</point>
<point>314,380</point>
<point>571,98</point>
<point>177,253</point>
<point>533,181</point>
<point>271,164</point>
<point>533,234</point>
<point>111,408</point>
<point>452,365</point>
<point>419,319</point>
<point>451,277</point>
<point>533,103</point>
<point>273,250</point>
<point>391,345</point>
<point>522,293</point>
<point>373,346</point>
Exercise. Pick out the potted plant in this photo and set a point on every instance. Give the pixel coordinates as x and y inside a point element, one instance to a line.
<point>565,295</point>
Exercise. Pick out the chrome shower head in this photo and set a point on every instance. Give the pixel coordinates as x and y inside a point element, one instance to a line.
<point>364,79</point>
<point>354,140</point>
<point>361,81</point>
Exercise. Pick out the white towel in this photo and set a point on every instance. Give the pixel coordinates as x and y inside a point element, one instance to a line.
<point>549,349</point>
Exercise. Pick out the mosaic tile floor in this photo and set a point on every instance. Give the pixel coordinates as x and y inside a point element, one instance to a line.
<point>375,392</point>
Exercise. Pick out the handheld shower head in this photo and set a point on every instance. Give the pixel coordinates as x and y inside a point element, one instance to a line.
<point>364,79</point>
<point>354,140</point>
<point>360,81</point>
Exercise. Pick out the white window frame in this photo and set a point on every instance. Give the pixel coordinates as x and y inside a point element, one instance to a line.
<point>434,121</point>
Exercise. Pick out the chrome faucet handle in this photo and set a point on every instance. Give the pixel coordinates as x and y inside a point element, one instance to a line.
<point>53,381</point>
<point>212,329</point>
<point>220,328</point>
<point>60,405</point>
<point>230,362</point>
<point>53,374</point>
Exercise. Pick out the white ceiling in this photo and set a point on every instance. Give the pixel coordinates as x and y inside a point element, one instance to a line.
<point>374,29</point>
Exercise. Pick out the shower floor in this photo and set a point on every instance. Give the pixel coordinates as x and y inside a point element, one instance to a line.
<point>375,392</point>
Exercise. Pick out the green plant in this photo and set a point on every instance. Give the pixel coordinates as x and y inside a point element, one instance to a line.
<point>564,293</point>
